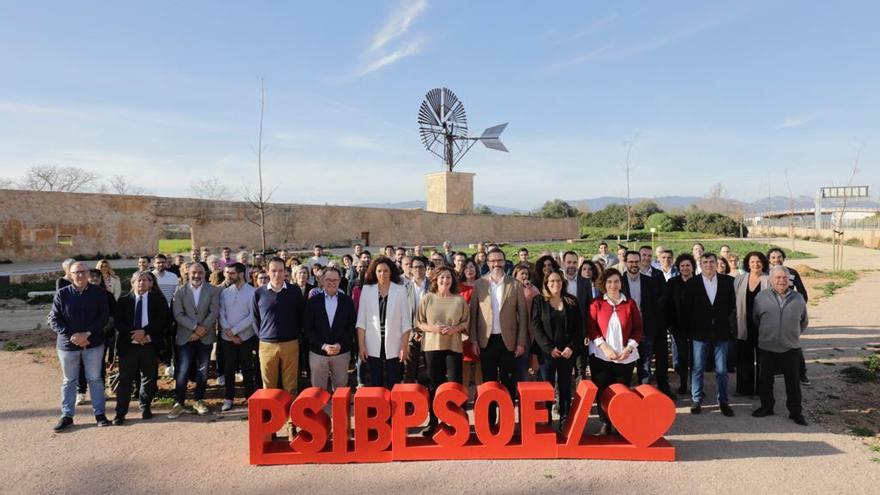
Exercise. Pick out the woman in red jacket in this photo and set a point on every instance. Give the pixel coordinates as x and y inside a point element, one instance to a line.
<point>613,336</point>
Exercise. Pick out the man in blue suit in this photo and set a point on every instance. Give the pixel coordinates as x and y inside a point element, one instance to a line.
<point>329,324</point>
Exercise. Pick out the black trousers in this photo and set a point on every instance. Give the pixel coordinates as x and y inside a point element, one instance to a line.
<point>746,371</point>
<point>604,374</point>
<point>412,367</point>
<point>139,359</point>
<point>788,363</point>
<point>661,359</point>
<point>238,356</point>
<point>443,366</point>
<point>498,364</point>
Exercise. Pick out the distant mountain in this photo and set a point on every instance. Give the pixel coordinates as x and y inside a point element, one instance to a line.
<point>421,205</point>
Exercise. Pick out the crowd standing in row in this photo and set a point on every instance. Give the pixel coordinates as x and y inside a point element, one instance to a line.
<point>432,316</point>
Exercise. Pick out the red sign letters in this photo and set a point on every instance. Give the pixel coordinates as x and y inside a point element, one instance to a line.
<point>381,419</point>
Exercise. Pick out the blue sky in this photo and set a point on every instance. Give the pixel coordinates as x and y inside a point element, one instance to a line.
<point>166,93</point>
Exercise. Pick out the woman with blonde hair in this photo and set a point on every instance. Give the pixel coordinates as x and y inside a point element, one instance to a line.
<point>111,280</point>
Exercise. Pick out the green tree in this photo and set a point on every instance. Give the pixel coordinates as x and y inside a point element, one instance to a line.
<point>613,216</point>
<point>483,210</point>
<point>557,208</point>
<point>664,222</point>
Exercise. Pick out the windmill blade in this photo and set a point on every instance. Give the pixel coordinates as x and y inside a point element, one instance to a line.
<point>490,137</point>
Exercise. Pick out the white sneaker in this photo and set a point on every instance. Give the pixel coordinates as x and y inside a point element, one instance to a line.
<point>227,405</point>
<point>201,408</point>
<point>221,381</point>
<point>239,377</point>
<point>80,399</point>
<point>169,371</point>
<point>176,411</point>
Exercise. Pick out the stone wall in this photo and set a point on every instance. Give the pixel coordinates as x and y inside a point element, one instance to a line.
<point>868,237</point>
<point>38,225</point>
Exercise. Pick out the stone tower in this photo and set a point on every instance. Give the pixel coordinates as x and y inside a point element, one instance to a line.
<point>450,192</point>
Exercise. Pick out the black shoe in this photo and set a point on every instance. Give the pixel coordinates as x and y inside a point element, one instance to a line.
<point>798,418</point>
<point>805,381</point>
<point>761,412</point>
<point>606,429</point>
<point>63,423</point>
<point>119,420</point>
<point>726,410</point>
<point>146,413</point>
<point>668,393</point>
<point>429,430</point>
<point>697,408</point>
<point>102,420</point>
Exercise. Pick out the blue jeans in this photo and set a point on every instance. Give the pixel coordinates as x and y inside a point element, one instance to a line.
<point>92,360</point>
<point>189,355</point>
<point>643,365</point>
<point>701,357</point>
<point>522,367</point>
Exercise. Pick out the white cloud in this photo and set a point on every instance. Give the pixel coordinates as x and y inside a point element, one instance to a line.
<point>382,52</point>
<point>790,122</point>
<point>398,23</point>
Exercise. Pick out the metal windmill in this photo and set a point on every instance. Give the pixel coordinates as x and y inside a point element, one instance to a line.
<point>443,128</point>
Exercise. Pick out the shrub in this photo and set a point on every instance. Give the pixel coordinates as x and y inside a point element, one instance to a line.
<point>664,222</point>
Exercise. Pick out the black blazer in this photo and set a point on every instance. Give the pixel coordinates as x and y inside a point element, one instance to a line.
<point>705,321</point>
<point>673,293</point>
<point>158,315</point>
<point>316,324</point>
<point>649,308</point>
<point>584,297</point>
<point>547,336</point>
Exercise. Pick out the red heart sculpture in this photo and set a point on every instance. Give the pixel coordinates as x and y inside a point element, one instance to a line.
<point>642,416</point>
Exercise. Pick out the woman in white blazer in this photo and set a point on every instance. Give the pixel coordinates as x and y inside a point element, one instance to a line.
<point>747,286</point>
<point>384,323</point>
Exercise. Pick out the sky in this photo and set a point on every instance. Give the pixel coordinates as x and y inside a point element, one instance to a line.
<point>167,94</point>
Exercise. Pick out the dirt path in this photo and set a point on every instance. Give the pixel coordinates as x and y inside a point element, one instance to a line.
<point>854,258</point>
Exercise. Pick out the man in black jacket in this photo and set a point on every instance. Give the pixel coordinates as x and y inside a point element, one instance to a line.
<point>709,308</point>
<point>581,289</point>
<point>329,323</point>
<point>645,292</point>
<point>142,320</point>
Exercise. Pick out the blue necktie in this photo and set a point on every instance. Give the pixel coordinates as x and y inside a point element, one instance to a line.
<point>138,312</point>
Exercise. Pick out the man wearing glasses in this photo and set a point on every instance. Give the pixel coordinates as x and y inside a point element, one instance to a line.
<point>416,287</point>
<point>79,314</point>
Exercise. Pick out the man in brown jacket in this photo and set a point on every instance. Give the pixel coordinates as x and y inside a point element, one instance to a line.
<point>499,323</point>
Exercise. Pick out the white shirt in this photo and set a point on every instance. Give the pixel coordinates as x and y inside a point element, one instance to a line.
<point>635,289</point>
<point>496,293</point>
<point>572,286</point>
<point>330,304</point>
<point>197,293</point>
<point>615,338</point>
<point>711,285</point>
<point>667,275</point>
<point>145,319</point>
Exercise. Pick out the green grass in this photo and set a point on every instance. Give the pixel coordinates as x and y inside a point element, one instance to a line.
<point>13,346</point>
<point>860,431</point>
<point>841,279</point>
<point>856,374</point>
<point>170,246</point>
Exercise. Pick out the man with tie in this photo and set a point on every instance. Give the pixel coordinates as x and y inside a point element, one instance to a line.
<point>141,323</point>
<point>329,323</point>
<point>196,308</point>
<point>709,312</point>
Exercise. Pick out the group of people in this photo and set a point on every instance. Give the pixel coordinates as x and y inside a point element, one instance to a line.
<point>430,316</point>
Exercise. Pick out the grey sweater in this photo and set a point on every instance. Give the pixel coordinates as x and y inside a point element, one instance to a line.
<point>780,324</point>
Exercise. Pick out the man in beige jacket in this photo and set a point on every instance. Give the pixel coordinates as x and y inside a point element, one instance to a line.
<point>498,323</point>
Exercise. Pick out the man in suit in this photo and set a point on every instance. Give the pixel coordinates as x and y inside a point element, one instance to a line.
<point>416,287</point>
<point>709,306</point>
<point>196,307</point>
<point>329,323</point>
<point>581,289</point>
<point>661,340</point>
<point>498,324</point>
<point>141,321</point>
<point>643,290</point>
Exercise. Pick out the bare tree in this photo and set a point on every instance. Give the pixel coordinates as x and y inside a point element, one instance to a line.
<point>790,211</point>
<point>6,183</point>
<point>118,184</point>
<point>54,178</point>
<point>627,168</point>
<point>837,235</point>
<point>210,189</point>
<point>260,200</point>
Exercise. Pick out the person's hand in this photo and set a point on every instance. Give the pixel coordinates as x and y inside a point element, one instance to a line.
<point>417,337</point>
<point>609,352</point>
<point>520,350</point>
<point>476,348</point>
<point>193,337</point>
<point>80,339</point>
<point>625,354</point>
<point>567,352</point>
<point>404,354</point>
<point>228,333</point>
<point>138,336</point>
<point>444,330</point>
<point>201,331</point>
<point>555,353</point>
<point>363,354</point>
<point>236,340</point>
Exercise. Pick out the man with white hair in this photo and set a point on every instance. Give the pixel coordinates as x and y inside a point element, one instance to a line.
<point>781,316</point>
